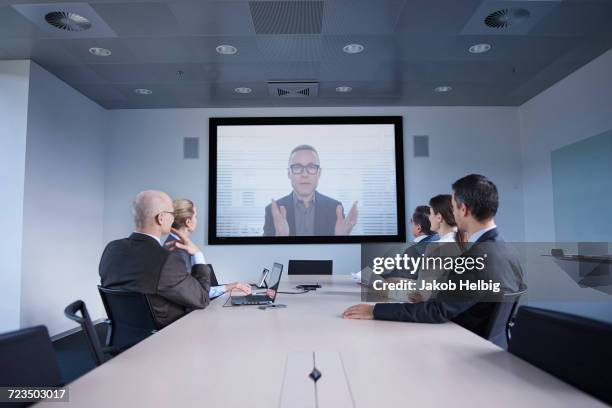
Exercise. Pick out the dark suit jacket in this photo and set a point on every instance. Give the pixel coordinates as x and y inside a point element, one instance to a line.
<point>139,264</point>
<point>502,265</point>
<point>187,260</point>
<point>414,251</point>
<point>325,215</point>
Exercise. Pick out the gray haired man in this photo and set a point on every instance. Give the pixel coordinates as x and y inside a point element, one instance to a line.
<point>305,211</point>
<point>141,264</point>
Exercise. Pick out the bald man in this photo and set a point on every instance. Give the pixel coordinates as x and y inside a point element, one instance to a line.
<point>141,264</point>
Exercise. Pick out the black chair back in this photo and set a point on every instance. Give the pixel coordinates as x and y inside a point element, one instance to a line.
<point>93,342</point>
<point>497,329</point>
<point>574,349</point>
<point>310,267</point>
<point>27,359</point>
<point>213,277</point>
<point>131,317</point>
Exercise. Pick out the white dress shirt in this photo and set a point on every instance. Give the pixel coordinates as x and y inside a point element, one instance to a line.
<point>450,237</point>
<point>420,238</point>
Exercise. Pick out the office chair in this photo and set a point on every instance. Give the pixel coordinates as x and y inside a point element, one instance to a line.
<point>213,277</point>
<point>310,267</point>
<point>28,359</point>
<point>99,354</point>
<point>574,349</point>
<point>497,330</point>
<point>131,317</point>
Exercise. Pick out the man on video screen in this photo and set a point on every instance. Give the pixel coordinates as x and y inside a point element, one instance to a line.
<point>305,211</point>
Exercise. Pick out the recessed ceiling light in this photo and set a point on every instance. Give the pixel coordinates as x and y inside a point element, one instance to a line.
<point>143,91</point>
<point>344,89</point>
<point>226,49</point>
<point>243,90</point>
<point>65,20</point>
<point>479,48</point>
<point>444,88</point>
<point>100,52</point>
<point>353,48</point>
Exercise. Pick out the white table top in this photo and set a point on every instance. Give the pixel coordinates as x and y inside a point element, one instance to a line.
<point>245,357</point>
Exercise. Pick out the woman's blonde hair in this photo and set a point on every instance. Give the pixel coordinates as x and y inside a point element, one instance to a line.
<point>183,210</point>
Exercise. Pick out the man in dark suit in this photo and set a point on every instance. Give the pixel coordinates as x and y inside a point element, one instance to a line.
<point>141,264</point>
<point>475,202</point>
<point>305,211</point>
<point>423,235</point>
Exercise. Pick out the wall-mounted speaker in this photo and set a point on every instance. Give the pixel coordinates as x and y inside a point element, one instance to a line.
<point>421,146</point>
<point>191,148</point>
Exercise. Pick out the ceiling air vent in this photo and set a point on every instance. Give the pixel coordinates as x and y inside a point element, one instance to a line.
<point>293,89</point>
<point>287,17</point>
<point>67,21</point>
<point>506,17</point>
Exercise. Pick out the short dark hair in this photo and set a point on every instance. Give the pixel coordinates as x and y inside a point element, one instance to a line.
<point>420,217</point>
<point>479,194</point>
<point>304,147</point>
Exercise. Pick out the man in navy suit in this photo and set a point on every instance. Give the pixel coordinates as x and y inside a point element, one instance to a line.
<point>475,201</point>
<point>305,211</point>
<point>423,235</point>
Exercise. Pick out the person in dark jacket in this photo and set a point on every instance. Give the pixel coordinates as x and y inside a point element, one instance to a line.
<point>475,201</point>
<point>305,211</point>
<point>141,264</point>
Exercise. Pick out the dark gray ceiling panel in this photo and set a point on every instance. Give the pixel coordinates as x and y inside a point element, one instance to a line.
<point>362,18</point>
<point>217,18</point>
<point>439,17</point>
<point>125,73</point>
<point>576,18</point>
<point>76,74</point>
<point>15,25</point>
<point>138,19</point>
<point>79,49</point>
<point>287,17</point>
<point>411,47</point>
<point>289,47</point>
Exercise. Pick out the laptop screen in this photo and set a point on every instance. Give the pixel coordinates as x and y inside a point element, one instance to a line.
<point>275,275</point>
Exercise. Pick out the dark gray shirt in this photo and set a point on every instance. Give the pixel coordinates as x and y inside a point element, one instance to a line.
<point>304,217</point>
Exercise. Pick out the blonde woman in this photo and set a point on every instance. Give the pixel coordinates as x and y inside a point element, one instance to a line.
<point>186,221</point>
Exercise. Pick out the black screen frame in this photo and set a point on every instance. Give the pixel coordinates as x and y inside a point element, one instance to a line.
<point>397,121</point>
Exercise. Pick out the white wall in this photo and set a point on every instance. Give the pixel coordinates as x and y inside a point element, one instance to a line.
<point>14,82</point>
<point>145,151</point>
<point>576,108</point>
<point>64,202</point>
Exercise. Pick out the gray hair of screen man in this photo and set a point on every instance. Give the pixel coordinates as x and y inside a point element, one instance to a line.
<point>147,205</point>
<point>304,147</point>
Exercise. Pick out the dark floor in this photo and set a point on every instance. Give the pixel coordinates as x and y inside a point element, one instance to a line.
<point>73,355</point>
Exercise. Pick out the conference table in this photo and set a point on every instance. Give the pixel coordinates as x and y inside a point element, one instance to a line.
<point>248,357</point>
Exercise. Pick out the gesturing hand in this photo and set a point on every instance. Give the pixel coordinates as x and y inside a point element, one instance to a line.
<point>184,243</point>
<point>279,216</point>
<point>344,226</point>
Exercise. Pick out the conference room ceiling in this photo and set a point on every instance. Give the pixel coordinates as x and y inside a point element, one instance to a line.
<point>410,49</point>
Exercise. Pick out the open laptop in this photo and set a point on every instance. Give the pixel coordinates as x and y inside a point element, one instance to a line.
<point>262,282</point>
<point>273,282</point>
